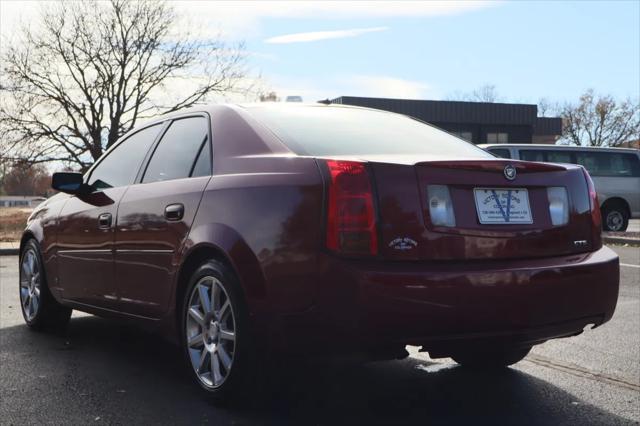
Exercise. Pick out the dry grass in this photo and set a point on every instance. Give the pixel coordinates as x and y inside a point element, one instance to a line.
<point>12,222</point>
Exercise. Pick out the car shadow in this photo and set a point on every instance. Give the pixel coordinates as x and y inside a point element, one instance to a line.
<point>100,371</point>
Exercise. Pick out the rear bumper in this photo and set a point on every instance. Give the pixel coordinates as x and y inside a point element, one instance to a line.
<point>448,304</point>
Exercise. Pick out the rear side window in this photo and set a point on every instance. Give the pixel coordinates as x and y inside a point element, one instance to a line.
<point>609,164</point>
<point>120,166</point>
<point>326,131</point>
<point>532,155</point>
<point>500,152</point>
<point>203,163</point>
<point>559,157</point>
<point>176,154</point>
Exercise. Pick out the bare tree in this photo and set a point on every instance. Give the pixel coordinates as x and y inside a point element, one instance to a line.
<point>26,179</point>
<point>484,93</point>
<point>269,97</point>
<point>547,108</point>
<point>90,71</point>
<point>600,120</point>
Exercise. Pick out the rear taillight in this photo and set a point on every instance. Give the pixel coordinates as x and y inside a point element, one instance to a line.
<point>596,218</point>
<point>351,224</point>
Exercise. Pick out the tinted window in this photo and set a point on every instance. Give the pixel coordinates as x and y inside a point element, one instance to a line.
<point>611,164</point>
<point>120,166</point>
<point>531,155</point>
<point>559,157</point>
<point>203,164</point>
<point>502,153</point>
<point>322,130</point>
<point>176,153</point>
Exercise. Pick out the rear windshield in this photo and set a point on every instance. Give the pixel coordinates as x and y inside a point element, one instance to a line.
<point>324,131</point>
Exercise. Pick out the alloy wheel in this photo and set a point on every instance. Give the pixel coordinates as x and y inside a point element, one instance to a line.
<point>210,332</point>
<point>30,284</point>
<point>614,220</point>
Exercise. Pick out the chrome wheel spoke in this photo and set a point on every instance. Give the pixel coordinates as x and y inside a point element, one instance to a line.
<point>227,335</point>
<point>202,361</point>
<point>196,341</point>
<point>25,269</point>
<point>216,291</point>
<point>224,357</point>
<point>216,374</point>
<point>223,310</point>
<point>205,300</point>
<point>196,315</point>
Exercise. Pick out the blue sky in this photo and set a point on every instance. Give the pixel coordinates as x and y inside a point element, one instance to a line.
<point>528,50</point>
<point>425,50</point>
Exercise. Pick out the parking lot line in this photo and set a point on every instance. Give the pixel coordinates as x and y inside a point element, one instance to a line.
<point>630,265</point>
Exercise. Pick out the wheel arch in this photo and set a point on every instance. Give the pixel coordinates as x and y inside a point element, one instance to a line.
<point>219,242</point>
<point>616,200</point>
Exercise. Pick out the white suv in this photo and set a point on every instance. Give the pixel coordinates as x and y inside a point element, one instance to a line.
<point>615,173</point>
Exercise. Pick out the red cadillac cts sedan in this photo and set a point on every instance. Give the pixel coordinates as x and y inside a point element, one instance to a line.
<point>241,231</point>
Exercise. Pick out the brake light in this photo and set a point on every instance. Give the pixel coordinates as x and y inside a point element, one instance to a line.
<point>351,224</point>
<point>596,217</point>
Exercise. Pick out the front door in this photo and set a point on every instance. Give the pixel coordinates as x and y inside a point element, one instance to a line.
<point>155,216</point>
<point>86,231</point>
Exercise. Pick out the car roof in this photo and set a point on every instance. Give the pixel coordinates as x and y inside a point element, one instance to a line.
<point>558,147</point>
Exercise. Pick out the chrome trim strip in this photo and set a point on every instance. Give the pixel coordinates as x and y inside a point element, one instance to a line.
<point>125,251</point>
<point>84,251</point>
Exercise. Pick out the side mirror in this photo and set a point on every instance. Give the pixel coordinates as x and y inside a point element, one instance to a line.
<point>69,182</point>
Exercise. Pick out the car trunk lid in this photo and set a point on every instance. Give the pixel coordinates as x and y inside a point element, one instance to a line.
<point>407,231</point>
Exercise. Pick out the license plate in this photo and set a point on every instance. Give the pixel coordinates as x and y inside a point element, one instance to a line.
<point>498,206</point>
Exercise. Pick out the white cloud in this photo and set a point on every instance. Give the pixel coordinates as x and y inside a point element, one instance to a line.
<point>322,35</point>
<point>388,87</point>
<point>241,19</point>
<point>314,89</point>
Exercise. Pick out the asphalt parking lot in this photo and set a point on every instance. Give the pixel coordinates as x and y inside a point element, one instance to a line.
<point>101,372</point>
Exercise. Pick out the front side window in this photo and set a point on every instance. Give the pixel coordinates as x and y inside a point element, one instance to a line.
<point>121,165</point>
<point>176,154</point>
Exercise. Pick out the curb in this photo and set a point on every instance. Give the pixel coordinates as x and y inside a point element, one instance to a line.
<point>621,240</point>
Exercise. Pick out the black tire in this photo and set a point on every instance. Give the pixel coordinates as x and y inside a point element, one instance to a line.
<point>491,358</point>
<point>48,314</point>
<point>615,217</point>
<point>241,377</point>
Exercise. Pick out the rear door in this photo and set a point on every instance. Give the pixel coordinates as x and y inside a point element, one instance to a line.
<point>156,214</point>
<point>86,223</point>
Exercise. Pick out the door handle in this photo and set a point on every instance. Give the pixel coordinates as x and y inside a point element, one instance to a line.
<point>104,221</point>
<point>174,212</point>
